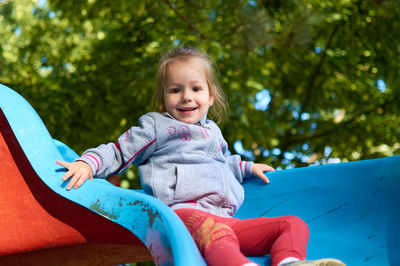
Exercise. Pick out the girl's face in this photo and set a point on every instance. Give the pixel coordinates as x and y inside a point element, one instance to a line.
<point>187,95</point>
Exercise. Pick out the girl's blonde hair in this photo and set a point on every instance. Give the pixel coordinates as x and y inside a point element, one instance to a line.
<point>218,111</point>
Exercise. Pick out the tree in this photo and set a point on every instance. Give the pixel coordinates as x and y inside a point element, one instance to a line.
<point>329,68</point>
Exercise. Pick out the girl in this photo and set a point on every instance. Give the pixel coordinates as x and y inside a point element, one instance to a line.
<point>183,161</point>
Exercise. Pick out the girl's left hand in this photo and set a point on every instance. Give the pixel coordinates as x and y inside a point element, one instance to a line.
<point>258,170</point>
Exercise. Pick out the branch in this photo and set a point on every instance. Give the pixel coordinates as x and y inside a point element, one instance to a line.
<point>188,21</point>
<point>309,92</point>
<point>193,27</point>
<point>334,129</point>
<point>317,72</point>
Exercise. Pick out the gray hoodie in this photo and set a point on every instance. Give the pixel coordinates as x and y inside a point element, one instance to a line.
<point>183,165</point>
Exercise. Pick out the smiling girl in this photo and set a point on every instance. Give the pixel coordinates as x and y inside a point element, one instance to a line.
<point>183,160</point>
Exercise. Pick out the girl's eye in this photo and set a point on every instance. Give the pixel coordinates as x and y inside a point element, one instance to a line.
<point>196,89</point>
<point>174,90</point>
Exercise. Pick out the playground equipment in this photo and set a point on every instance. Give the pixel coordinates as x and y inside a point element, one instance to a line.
<point>351,208</point>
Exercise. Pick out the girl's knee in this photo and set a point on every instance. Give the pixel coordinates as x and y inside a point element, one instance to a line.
<point>295,220</point>
<point>210,232</point>
<point>298,223</point>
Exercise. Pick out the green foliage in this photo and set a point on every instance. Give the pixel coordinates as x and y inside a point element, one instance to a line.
<point>88,68</point>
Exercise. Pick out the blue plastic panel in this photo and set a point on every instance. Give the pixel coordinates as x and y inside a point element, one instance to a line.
<point>351,208</point>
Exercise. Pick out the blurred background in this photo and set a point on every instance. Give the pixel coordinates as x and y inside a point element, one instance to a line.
<point>309,82</point>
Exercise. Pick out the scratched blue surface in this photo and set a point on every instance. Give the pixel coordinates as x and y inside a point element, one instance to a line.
<point>351,208</point>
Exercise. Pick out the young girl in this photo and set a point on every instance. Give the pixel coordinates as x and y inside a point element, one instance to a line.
<point>183,161</point>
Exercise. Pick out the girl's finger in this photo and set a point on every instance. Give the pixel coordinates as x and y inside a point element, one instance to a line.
<point>67,175</point>
<point>262,177</point>
<point>65,164</point>
<point>73,181</point>
<point>268,168</point>
<point>80,181</point>
<point>265,179</point>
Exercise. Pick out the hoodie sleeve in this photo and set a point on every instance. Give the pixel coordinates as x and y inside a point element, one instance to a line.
<point>241,169</point>
<point>133,147</point>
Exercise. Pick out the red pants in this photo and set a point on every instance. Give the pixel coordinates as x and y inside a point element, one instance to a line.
<point>227,241</point>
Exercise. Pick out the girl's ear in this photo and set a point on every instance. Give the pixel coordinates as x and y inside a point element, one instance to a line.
<point>211,99</point>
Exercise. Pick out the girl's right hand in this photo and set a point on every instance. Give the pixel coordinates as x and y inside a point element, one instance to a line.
<point>78,171</point>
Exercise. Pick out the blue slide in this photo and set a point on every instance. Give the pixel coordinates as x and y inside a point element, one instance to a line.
<point>351,208</point>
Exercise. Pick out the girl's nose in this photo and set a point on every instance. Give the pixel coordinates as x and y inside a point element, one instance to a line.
<point>186,95</point>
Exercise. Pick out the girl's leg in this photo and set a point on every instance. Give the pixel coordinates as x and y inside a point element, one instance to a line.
<point>282,237</point>
<point>216,240</point>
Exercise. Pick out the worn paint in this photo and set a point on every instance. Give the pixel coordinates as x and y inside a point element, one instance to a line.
<point>159,247</point>
<point>151,213</point>
<point>99,209</point>
<point>121,201</point>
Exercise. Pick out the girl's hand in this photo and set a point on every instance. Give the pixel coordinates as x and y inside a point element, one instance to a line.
<point>79,171</point>
<point>258,170</point>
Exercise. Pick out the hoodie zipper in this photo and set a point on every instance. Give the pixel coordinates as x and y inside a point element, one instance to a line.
<point>212,144</point>
<point>224,195</point>
<point>222,175</point>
